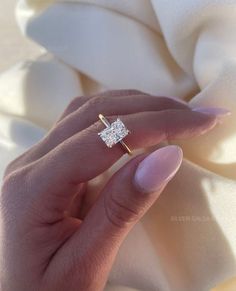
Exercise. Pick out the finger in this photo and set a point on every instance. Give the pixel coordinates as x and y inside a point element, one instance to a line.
<point>73,105</point>
<point>79,101</point>
<point>121,105</point>
<point>147,129</point>
<point>60,132</point>
<point>107,103</point>
<point>124,200</point>
<point>85,156</point>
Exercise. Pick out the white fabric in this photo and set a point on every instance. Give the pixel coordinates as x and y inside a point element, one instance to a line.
<point>184,48</point>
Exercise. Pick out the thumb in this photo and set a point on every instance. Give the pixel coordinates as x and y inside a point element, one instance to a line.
<point>123,201</point>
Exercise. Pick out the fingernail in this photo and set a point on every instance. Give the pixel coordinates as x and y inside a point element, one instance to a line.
<point>216,111</point>
<point>158,168</point>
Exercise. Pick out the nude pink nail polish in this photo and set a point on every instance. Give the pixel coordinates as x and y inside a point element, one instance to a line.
<point>216,111</point>
<point>158,168</point>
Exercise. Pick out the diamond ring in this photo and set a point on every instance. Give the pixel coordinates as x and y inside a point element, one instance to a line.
<point>114,133</point>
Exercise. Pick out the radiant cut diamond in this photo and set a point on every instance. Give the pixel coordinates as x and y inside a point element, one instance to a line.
<point>114,133</point>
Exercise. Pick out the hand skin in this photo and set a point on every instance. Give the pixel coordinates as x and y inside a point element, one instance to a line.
<point>46,247</point>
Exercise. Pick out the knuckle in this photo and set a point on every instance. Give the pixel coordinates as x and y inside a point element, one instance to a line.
<point>96,102</point>
<point>16,163</point>
<point>15,196</point>
<point>75,103</point>
<point>9,190</point>
<point>9,168</point>
<point>119,214</point>
<point>134,92</point>
<point>123,92</point>
<point>95,105</point>
<point>15,184</point>
<point>10,181</point>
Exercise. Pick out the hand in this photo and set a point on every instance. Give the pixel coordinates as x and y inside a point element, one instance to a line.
<point>46,247</point>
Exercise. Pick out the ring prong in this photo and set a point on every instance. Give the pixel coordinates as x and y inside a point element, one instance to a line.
<point>114,133</point>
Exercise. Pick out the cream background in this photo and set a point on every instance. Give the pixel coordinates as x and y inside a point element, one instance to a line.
<point>14,48</point>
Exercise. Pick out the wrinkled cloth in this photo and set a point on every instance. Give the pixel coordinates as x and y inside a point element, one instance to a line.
<point>186,49</point>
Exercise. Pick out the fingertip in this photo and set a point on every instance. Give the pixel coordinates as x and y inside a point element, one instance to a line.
<point>158,168</point>
<point>215,111</point>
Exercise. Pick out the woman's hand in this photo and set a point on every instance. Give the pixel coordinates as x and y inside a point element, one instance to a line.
<point>44,246</point>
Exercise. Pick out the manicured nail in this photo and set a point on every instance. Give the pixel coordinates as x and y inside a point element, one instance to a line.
<point>216,111</point>
<point>158,168</point>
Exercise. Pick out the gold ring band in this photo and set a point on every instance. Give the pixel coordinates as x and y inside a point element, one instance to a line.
<point>114,133</point>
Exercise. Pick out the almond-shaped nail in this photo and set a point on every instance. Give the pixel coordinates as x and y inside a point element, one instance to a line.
<point>158,168</point>
<point>216,111</point>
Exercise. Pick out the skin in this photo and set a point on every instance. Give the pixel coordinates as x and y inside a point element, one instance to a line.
<point>46,242</point>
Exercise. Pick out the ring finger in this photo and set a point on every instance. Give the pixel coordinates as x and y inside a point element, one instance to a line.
<point>75,120</point>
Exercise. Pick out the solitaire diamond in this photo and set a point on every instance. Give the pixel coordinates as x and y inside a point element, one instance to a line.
<point>114,133</point>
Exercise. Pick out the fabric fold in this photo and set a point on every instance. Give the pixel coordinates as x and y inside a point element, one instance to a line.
<point>187,49</point>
